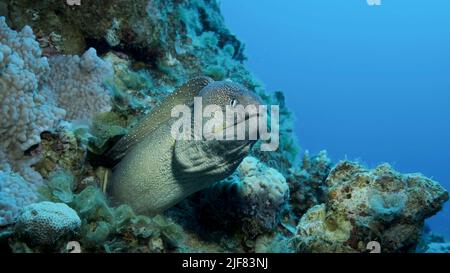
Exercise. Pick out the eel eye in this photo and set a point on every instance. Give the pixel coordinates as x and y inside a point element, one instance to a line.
<point>233,102</point>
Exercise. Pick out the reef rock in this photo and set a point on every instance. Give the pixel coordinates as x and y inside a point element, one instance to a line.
<point>438,248</point>
<point>253,199</point>
<point>46,222</point>
<point>173,40</point>
<point>378,205</point>
<point>159,32</point>
<point>153,46</point>
<point>307,183</point>
<point>265,194</point>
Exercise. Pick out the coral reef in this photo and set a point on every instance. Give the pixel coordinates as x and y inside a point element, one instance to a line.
<point>111,229</point>
<point>252,200</point>
<point>63,148</point>
<point>431,242</point>
<point>135,92</point>
<point>106,126</point>
<point>265,194</point>
<point>15,193</point>
<point>362,206</point>
<point>438,248</point>
<point>307,183</point>
<point>284,157</point>
<point>178,37</point>
<point>25,111</point>
<point>149,47</point>
<point>177,40</point>
<point>78,84</point>
<point>44,223</point>
<point>33,95</point>
<point>25,115</point>
<point>273,243</point>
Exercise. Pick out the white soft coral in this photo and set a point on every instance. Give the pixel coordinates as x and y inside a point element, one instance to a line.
<point>77,83</point>
<point>35,97</point>
<point>25,113</point>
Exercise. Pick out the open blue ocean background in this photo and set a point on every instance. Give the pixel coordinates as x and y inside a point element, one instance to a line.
<point>369,83</point>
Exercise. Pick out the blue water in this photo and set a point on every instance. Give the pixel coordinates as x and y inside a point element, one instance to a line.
<point>366,82</point>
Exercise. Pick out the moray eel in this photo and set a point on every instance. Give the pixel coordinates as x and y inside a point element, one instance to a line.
<point>155,171</point>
